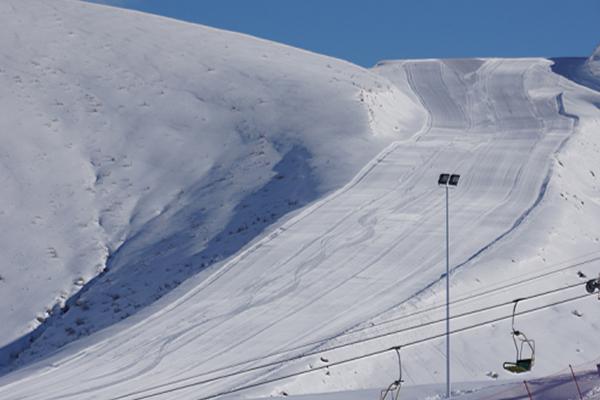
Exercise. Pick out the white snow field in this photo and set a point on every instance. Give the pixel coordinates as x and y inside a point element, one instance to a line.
<point>188,211</point>
<point>560,386</point>
<point>155,148</point>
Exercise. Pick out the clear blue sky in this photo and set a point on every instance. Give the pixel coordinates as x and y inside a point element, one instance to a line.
<point>365,32</point>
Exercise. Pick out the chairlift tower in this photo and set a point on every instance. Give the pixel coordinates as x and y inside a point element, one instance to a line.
<point>447,181</point>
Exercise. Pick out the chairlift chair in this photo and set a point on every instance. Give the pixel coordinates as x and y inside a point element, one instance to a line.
<point>523,346</point>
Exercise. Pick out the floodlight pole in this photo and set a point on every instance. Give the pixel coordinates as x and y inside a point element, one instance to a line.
<point>448,180</point>
<point>447,300</point>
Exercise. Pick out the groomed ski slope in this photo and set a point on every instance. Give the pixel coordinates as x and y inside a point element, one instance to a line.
<point>545,249</point>
<point>522,138</point>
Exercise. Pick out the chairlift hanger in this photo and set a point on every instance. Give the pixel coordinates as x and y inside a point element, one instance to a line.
<point>522,343</point>
<point>394,387</point>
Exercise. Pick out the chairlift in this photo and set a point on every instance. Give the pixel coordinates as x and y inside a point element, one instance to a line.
<point>592,286</point>
<point>393,390</point>
<point>523,346</point>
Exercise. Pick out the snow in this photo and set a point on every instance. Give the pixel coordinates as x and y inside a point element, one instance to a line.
<point>585,71</point>
<point>593,63</point>
<point>560,387</point>
<point>154,160</point>
<point>194,198</point>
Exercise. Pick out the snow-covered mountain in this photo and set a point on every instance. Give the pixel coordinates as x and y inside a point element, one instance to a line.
<point>150,149</point>
<point>181,199</point>
<point>593,63</point>
<point>585,71</point>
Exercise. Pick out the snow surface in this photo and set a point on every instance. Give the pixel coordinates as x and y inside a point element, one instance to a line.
<point>585,71</point>
<point>212,198</point>
<point>557,387</point>
<point>593,63</point>
<point>149,149</point>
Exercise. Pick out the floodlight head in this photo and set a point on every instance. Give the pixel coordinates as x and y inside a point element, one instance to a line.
<point>443,180</point>
<point>453,180</point>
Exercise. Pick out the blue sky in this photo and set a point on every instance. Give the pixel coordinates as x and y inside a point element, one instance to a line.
<point>365,32</point>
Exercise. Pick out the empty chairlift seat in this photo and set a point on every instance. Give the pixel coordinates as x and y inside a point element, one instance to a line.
<point>524,347</point>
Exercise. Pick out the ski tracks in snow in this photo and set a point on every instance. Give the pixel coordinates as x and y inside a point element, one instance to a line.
<point>363,250</point>
<point>542,140</point>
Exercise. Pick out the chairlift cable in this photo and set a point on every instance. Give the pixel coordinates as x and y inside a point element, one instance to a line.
<point>334,347</point>
<point>483,293</point>
<point>305,355</point>
<point>348,333</point>
<point>374,353</point>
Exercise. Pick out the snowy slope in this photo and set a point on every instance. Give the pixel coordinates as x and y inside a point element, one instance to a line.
<point>559,386</point>
<point>365,244</point>
<point>150,149</point>
<point>524,113</point>
<point>585,71</point>
<point>593,63</point>
<point>557,238</point>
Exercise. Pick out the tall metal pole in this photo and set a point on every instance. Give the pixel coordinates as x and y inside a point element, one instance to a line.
<point>448,180</point>
<point>447,301</point>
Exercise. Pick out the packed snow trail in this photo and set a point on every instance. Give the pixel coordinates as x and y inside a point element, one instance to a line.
<point>354,254</point>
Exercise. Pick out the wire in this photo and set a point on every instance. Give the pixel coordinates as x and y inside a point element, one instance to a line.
<point>336,347</point>
<point>339,346</point>
<point>385,322</point>
<point>367,355</point>
<point>485,293</point>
